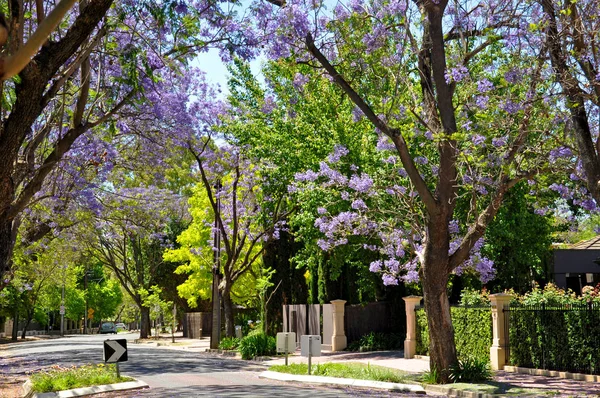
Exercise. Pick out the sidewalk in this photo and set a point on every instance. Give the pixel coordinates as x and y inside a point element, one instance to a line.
<point>388,359</point>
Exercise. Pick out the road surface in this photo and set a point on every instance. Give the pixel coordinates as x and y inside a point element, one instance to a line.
<point>169,371</point>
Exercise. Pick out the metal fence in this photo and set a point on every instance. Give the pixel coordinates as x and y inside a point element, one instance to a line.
<point>554,337</point>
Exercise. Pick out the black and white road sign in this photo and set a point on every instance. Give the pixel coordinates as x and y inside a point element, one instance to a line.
<point>115,350</point>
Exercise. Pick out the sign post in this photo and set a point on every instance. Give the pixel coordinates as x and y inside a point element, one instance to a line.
<point>115,351</point>
<point>311,347</point>
<point>286,342</point>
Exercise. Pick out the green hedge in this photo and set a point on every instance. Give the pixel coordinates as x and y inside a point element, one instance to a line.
<point>554,329</point>
<point>472,332</point>
<point>555,337</point>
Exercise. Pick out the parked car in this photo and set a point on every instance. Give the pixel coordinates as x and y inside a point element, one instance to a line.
<point>121,326</point>
<point>108,327</point>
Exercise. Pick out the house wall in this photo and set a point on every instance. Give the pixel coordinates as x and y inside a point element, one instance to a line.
<point>574,261</point>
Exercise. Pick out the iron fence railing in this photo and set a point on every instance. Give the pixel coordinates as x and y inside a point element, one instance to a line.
<point>554,337</point>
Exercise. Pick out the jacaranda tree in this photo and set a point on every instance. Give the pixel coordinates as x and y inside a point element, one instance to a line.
<point>458,100</point>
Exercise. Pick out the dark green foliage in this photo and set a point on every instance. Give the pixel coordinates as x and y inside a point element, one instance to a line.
<point>377,342</point>
<point>229,343</point>
<point>556,338</point>
<point>470,369</point>
<point>519,242</point>
<point>472,332</point>
<point>247,320</point>
<point>257,344</point>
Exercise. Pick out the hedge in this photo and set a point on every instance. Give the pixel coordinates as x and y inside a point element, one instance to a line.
<point>472,332</point>
<point>556,337</point>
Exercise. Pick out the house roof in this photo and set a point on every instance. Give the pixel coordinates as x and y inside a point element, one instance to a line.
<point>592,244</point>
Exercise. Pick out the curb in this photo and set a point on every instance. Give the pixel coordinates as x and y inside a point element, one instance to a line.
<point>553,373</point>
<point>225,353</point>
<point>453,392</point>
<point>80,392</point>
<point>396,387</point>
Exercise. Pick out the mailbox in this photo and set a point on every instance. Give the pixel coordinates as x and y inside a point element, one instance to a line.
<point>310,345</point>
<point>291,342</point>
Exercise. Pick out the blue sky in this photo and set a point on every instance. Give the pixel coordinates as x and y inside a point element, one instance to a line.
<point>216,71</point>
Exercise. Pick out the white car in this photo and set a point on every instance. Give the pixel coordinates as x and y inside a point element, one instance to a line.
<point>121,325</point>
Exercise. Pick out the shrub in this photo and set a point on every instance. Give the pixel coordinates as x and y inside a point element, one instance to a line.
<point>472,332</point>
<point>229,343</point>
<point>554,329</point>
<point>470,370</point>
<point>377,342</point>
<point>257,344</point>
<point>247,320</point>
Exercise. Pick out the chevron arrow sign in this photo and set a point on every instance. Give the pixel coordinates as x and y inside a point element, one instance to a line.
<point>115,350</point>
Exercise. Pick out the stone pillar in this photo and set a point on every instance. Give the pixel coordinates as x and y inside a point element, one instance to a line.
<point>410,344</point>
<point>338,340</point>
<point>498,348</point>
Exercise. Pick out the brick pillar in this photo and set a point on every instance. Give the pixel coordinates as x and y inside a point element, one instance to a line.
<point>338,340</point>
<point>498,348</point>
<point>410,344</point>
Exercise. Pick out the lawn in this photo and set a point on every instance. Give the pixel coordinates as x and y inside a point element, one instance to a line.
<point>351,370</point>
<point>58,378</point>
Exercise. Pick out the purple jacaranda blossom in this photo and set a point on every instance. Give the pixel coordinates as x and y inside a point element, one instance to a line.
<point>588,204</point>
<point>391,159</point>
<point>361,183</point>
<point>456,74</point>
<point>338,152</point>
<point>308,175</point>
<point>482,190</point>
<point>499,142</point>
<point>389,280</point>
<point>561,152</point>
<point>513,76</point>
<point>358,204</point>
<point>421,160</point>
<point>385,144</point>
<point>482,101</point>
<point>300,81</point>
<point>375,266</point>
<point>400,189</point>
<point>269,105</point>
<point>478,139</point>
<point>357,114</point>
<point>484,85</point>
<point>411,276</point>
<point>453,227</point>
<point>510,106</point>
<point>561,189</point>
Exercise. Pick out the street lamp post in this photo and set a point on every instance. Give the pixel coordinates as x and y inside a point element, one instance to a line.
<point>215,335</point>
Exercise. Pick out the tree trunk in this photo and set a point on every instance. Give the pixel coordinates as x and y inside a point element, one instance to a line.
<point>145,322</point>
<point>228,310</point>
<point>6,246</point>
<point>29,317</point>
<point>442,350</point>
<point>15,329</point>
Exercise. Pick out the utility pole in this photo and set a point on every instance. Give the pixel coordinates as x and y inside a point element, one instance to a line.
<point>62,305</point>
<point>215,335</point>
<point>85,314</point>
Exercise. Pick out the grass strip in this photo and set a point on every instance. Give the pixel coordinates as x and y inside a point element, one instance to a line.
<point>58,378</point>
<point>350,370</point>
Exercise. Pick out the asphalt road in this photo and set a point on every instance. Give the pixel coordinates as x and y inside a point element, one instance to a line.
<point>169,372</point>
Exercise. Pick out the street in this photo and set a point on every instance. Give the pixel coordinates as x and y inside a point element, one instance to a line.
<point>169,371</point>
